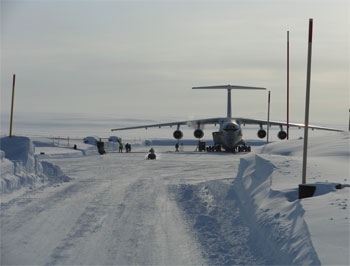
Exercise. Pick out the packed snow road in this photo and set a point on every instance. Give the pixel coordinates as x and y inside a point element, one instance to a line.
<point>117,209</point>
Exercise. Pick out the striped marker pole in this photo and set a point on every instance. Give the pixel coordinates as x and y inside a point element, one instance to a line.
<point>268,116</point>
<point>12,102</point>
<point>287,85</point>
<point>307,102</point>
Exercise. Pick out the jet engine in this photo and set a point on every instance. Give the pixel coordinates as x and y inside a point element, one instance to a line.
<point>282,134</point>
<point>262,133</point>
<point>198,133</point>
<point>178,134</point>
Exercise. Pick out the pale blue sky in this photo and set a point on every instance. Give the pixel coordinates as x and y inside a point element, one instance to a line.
<point>141,58</point>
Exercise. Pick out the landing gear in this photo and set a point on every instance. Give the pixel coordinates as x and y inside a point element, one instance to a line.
<point>217,148</point>
<point>243,148</point>
<point>214,148</point>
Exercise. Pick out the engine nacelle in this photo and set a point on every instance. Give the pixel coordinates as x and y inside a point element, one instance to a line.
<point>262,133</point>
<point>198,133</point>
<point>178,134</point>
<point>282,134</point>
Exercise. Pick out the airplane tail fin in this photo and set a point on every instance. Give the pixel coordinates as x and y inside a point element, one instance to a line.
<point>229,88</point>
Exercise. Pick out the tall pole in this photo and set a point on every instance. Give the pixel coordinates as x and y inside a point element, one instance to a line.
<point>12,103</point>
<point>307,101</point>
<point>268,117</point>
<point>287,85</point>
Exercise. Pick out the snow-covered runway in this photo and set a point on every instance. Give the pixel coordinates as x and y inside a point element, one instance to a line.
<point>116,210</point>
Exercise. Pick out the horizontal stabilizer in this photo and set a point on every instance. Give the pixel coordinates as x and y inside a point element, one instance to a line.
<point>230,87</point>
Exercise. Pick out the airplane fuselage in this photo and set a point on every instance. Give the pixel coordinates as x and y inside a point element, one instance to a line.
<point>229,135</point>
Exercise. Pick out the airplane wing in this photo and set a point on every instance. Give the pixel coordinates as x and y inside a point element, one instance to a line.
<point>217,120</point>
<point>245,121</point>
<point>190,123</point>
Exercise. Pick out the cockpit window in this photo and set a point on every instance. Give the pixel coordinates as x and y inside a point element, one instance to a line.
<point>231,127</point>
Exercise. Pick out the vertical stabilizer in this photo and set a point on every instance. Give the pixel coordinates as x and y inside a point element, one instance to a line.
<point>229,88</point>
<point>229,112</point>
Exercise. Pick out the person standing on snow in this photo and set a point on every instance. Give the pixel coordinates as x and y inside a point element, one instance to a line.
<point>120,147</point>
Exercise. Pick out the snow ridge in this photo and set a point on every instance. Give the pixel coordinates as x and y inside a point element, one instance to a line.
<point>20,167</point>
<point>283,231</point>
<point>253,224</point>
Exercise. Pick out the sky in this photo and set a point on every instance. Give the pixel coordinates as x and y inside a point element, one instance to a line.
<point>132,59</point>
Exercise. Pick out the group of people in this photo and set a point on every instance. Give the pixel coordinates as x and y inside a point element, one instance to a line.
<point>177,146</point>
<point>151,154</point>
<point>127,147</point>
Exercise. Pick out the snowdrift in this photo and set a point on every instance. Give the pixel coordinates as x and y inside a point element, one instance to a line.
<point>20,167</point>
<point>274,231</point>
<point>272,215</point>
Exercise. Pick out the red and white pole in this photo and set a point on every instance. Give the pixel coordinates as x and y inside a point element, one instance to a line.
<point>307,101</point>
<point>287,85</point>
<point>12,102</point>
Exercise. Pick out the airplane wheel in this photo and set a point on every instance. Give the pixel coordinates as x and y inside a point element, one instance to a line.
<point>243,148</point>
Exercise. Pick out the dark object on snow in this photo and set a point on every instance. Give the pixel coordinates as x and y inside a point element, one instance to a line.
<point>306,191</point>
<point>75,146</point>
<point>151,156</point>
<point>338,186</point>
<point>101,147</point>
<point>201,145</point>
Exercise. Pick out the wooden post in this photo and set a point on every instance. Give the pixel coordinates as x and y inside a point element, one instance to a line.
<point>12,103</point>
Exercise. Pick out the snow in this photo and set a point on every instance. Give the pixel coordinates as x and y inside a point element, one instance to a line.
<point>68,206</point>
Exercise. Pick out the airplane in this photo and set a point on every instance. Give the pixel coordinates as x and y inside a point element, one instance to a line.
<point>229,136</point>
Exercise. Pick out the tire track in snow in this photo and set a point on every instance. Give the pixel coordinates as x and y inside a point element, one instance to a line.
<point>149,228</point>
<point>27,218</point>
<point>89,222</point>
<point>28,206</point>
<point>133,232</point>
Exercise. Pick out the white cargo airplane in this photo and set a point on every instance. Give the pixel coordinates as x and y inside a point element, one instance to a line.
<point>229,136</point>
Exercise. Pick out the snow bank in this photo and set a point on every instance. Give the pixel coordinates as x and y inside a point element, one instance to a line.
<point>278,221</point>
<point>268,182</point>
<point>20,167</point>
<point>20,149</point>
<point>245,222</point>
